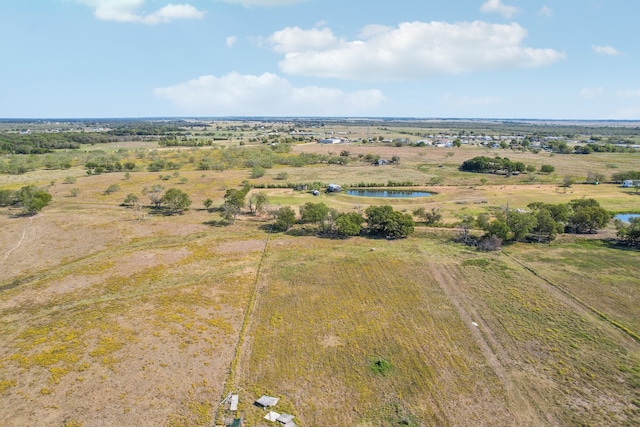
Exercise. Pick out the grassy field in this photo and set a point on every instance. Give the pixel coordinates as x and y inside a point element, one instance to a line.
<point>110,319</point>
<point>534,358</point>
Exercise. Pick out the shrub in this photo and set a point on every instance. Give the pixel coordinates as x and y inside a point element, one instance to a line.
<point>111,189</point>
<point>547,169</point>
<point>380,365</point>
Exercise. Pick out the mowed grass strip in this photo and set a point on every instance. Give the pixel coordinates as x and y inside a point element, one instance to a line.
<point>577,368</point>
<point>322,319</point>
<point>606,278</point>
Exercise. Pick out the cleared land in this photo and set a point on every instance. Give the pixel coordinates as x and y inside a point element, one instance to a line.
<point>109,319</point>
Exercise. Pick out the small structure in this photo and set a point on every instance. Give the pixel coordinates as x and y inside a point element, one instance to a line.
<point>629,183</point>
<point>381,162</point>
<point>330,141</point>
<point>233,404</point>
<point>271,416</point>
<point>267,401</point>
<point>286,420</point>
<point>334,188</point>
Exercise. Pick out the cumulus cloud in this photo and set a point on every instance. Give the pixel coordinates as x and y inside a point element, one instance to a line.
<point>264,3</point>
<point>231,40</point>
<point>606,50</point>
<point>127,11</point>
<point>546,11</point>
<point>265,95</point>
<point>496,6</point>
<point>412,50</point>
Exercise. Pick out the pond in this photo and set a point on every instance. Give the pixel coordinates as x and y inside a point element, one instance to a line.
<point>626,217</point>
<point>388,193</point>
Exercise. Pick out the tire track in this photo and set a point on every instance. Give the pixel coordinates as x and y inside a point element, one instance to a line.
<point>524,412</point>
<point>24,234</point>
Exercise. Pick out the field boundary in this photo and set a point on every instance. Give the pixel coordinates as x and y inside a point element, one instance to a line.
<point>237,354</point>
<point>577,300</point>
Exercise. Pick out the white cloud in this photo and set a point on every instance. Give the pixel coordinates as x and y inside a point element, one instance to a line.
<point>491,6</point>
<point>264,3</point>
<point>127,11</point>
<point>412,50</point>
<point>231,40</point>
<point>294,39</point>
<point>591,92</point>
<point>606,50</point>
<point>546,11</point>
<point>265,95</point>
<point>628,93</point>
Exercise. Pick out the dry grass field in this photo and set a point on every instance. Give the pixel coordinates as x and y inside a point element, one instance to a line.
<point>110,317</point>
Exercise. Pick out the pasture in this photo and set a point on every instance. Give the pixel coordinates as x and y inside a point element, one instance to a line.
<point>112,315</point>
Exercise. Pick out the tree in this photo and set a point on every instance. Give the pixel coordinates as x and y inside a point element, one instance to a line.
<point>629,233</point>
<point>498,228</point>
<point>314,213</point>
<point>587,216</point>
<point>257,202</point>
<point>257,172</point>
<point>285,218</point>
<point>229,212</point>
<point>176,200</point>
<point>8,197</point>
<point>547,169</point>
<point>155,195</point>
<point>207,204</point>
<point>349,224</point>
<point>545,227</point>
<point>235,197</point>
<point>520,224</point>
<point>385,221</point>
<point>130,200</point>
<point>111,189</point>
<point>33,199</point>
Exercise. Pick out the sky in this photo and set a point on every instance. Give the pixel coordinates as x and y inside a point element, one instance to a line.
<point>518,59</point>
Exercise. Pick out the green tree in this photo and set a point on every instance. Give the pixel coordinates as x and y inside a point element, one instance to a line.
<point>498,228</point>
<point>236,198</point>
<point>587,216</point>
<point>547,169</point>
<point>8,197</point>
<point>383,220</point>
<point>546,227</point>
<point>176,200</point>
<point>314,213</point>
<point>207,204</point>
<point>111,189</point>
<point>257,202</point>
<point>33,199</point>
<point>629,233</point>
<point>520,224</point>
<point>257,172</point>
<point>285,218</point>
<point>349,224</point>
<point>130,200</point>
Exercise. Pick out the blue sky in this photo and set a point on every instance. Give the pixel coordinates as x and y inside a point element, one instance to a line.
<point>544,59</point>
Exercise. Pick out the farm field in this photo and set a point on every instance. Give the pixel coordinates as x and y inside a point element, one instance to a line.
<point>117,315</point>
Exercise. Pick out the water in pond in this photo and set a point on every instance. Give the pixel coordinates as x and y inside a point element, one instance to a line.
<point>626,217</point>
<point>388,193</point>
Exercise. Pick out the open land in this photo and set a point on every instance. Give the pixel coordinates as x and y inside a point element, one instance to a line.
<point>114,315</point>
